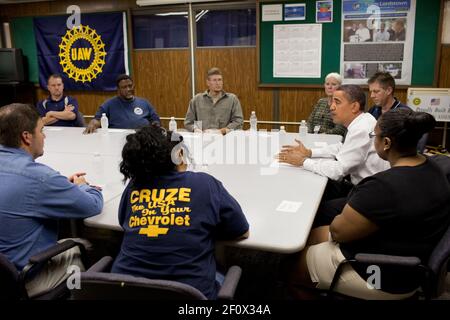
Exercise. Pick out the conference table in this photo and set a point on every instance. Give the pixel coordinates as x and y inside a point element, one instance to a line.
<point>279,200</point>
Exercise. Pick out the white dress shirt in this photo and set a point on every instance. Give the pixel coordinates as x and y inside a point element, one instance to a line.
<point>356,156</point>
<point>364,34</point>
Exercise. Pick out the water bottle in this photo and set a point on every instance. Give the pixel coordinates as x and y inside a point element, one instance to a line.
<point>172,124</point>
<point>282,135</point>
<point>104,123</point>
<point>303,129</point>
<point>316,129</point>
<point>253,122</point>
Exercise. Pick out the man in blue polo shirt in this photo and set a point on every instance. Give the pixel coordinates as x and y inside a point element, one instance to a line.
<point>381,89</point>
<point>58,109</point>
<point>125,110</point>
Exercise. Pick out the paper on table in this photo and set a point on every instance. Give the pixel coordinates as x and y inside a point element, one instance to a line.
<point>276,164</point>
<point>320,144</point>
<point>289,206</point>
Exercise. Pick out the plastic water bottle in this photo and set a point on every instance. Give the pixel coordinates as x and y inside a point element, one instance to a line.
<point>172,124</point>
<point>104,123</point>
<point>253,122</point>
<point>303,129</point>
<point>316,129</point>
<point>282,135</point>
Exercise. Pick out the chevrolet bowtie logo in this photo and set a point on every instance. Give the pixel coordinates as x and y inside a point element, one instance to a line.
<point>153,231</point>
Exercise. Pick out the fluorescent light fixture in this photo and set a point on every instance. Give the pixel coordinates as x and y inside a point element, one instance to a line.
<point>199,15</point>
<point>160,2</point>
<point>172,14</point>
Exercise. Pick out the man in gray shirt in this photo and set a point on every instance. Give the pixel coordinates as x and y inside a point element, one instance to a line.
<point>215,108</point>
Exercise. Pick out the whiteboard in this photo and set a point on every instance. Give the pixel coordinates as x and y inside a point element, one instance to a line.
<point>435,101</point>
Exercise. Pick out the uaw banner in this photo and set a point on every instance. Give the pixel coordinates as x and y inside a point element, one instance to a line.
<point>89,56</point>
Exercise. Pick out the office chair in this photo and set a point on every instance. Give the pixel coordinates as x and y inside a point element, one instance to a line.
<point>434,271</point>
<point>79,120</point>
<point>12,282</point>
<point>443,162</point>
<point>97,284</point>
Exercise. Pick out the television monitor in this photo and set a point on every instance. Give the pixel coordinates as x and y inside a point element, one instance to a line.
<point>11,65</point>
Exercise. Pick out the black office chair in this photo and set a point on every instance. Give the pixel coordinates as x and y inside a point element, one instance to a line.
<point>433,272</point>
<point>12,282</point>
<point>79,120</point>
<point>97,284</point>
<point>443,162</point>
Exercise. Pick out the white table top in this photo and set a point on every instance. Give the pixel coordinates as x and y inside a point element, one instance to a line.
<point>279,201</point>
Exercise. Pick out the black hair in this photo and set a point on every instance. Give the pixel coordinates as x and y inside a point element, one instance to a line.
<point>14,120</point>
<point>405,128</point>
<point>354,93</point>
<point>148,154</point>
<point>122,77</point>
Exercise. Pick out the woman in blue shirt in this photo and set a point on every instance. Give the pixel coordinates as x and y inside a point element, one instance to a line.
<point>172,217</point>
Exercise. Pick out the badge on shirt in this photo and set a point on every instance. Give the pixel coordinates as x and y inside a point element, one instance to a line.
<point>138,111</point>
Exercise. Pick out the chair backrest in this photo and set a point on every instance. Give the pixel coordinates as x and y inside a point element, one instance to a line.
<point>442,162</point>
<point>113,286</point>
<point>440,256</point>
<point>11,287</point>
<point>79,120</point>
<point>438,264</point>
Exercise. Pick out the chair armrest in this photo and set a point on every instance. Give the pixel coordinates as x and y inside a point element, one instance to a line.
<point>230,283</point>
<point>387,259</point>
<point>378,259</point>
<point>48,254</point>
<point>53,251</point>
<point>102,265</point>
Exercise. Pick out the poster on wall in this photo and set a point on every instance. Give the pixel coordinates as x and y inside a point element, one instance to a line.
<point>377,35</point>
<point>435,101</point>
<point>297,50</point>
<point>272,12</point>
<point>324,11</point>
<point>294,11</point>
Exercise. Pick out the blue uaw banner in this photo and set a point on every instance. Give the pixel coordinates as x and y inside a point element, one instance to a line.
<point>89,56</point>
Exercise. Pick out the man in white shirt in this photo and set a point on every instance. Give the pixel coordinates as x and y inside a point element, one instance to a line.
<point>355,157</point>
<point>363,33</point>
<point>381,34</point>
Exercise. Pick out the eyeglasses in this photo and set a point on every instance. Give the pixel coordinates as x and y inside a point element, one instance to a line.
<point>372,134</point>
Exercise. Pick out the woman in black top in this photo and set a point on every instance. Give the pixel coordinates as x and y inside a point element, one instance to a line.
<point>402,211</point>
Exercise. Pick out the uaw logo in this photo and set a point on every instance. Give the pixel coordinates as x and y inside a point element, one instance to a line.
<point>82,53</point>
